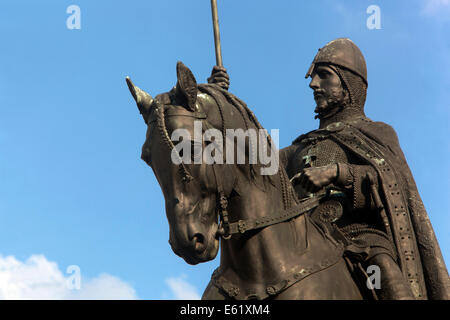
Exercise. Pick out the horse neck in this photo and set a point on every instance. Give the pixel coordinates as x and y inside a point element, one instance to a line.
<point>256,199</point>
<point>247,254</point>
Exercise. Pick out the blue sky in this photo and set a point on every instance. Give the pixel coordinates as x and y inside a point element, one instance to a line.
<point>73,189</point>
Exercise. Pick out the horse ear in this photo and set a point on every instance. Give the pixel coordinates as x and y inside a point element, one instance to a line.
<point>186,85</point>
<point>143,99</point>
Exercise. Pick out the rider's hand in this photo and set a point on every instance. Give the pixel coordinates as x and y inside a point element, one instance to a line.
<point>315,178</point>
<point>220,77</point>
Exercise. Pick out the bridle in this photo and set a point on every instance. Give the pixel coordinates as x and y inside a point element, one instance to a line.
<point>222,197</point>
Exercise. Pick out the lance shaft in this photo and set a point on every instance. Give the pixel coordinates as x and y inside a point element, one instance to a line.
<point>215,19</point>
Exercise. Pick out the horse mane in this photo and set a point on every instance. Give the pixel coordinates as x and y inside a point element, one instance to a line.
<point>215,91</point>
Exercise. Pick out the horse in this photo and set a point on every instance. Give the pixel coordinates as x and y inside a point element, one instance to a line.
<point>271,247</point>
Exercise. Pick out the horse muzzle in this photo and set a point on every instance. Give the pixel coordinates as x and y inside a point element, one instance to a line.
<point>198,248</point>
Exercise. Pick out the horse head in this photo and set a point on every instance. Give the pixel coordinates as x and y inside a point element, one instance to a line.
<point>189,187</point>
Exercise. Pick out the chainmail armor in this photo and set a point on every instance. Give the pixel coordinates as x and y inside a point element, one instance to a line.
<point>356,224</point>
<point>355,86</point>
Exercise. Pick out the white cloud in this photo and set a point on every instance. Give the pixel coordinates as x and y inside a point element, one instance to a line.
<point>182,290</point>
<point>38,278</point>
<point>106,286</point>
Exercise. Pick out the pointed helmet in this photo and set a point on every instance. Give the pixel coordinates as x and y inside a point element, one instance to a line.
<point>344,53</point>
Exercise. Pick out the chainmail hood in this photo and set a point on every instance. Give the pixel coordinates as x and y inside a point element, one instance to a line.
<point>355,86</point>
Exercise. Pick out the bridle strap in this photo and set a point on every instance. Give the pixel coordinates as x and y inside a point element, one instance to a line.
<point>223,230</point>
<point>243,226</point>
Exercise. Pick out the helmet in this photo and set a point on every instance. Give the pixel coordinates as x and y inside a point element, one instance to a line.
<point>344,53</point>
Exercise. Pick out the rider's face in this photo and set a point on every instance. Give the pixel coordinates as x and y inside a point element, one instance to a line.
<point>328,90</point>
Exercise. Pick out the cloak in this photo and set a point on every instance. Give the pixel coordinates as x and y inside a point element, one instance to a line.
<point>419,255</point>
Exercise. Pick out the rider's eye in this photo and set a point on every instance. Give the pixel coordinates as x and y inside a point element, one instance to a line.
<point>323,73</point>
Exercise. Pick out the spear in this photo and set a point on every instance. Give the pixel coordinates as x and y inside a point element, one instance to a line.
<point>215,19</point>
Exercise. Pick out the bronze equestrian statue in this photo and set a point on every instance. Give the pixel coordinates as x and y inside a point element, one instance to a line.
<point>270,247</point>
<point>352,203</point>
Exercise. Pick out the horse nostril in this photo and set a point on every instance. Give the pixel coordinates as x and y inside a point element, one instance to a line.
<point>198,241</point>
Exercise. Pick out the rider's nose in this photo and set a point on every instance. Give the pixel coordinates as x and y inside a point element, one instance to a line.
<point>314,84</point>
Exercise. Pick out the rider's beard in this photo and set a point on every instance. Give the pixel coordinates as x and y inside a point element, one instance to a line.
<point>328,103</point>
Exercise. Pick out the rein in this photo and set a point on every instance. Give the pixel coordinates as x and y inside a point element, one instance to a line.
<point>227,228</point>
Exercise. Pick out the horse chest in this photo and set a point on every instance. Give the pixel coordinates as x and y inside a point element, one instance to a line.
<point>319,253</point>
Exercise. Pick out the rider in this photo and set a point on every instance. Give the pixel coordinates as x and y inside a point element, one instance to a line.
<point>382,218</point>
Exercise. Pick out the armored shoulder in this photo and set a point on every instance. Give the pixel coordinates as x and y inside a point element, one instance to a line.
<point>301,137</point>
